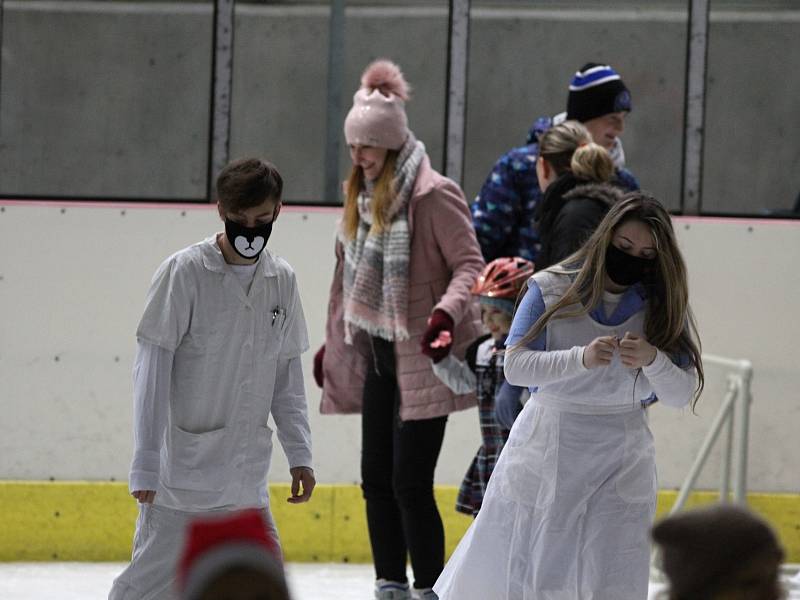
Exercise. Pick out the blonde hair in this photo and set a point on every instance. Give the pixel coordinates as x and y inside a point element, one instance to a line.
<point>569,147</point>
<point>382,196</point>
<point>669,323</point>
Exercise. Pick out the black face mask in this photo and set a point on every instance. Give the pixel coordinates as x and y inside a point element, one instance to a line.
<point>624,269</point>
<point>248,242</point>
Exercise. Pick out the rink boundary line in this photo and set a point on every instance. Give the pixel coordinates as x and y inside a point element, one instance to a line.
<point>150,204</point>
<point>64,204</point>
<point>94,521</point>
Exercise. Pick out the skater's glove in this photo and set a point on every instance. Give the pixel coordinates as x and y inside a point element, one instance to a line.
<point>319,376</point>
<point>438,322</point>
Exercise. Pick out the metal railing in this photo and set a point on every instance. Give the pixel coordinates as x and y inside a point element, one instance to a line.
<point>734,417</point>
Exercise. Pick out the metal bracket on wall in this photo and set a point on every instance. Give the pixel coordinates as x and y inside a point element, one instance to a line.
<point>694,108</point>
<point>456,103</point>
<point>221,87</point>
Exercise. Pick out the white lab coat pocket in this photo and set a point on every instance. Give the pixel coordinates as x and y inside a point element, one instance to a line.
<point>529,462</point>
<point>636,482</point>
<point>272,332</point>
<point>197,460</point>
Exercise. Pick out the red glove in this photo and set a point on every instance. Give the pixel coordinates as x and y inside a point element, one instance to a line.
<point>438,322</point>
<point>319,376</point>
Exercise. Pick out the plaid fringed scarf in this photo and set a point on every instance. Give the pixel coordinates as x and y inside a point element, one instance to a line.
<point>375,283</point>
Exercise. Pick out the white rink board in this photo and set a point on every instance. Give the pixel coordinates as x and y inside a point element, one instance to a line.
<point>74,278</point>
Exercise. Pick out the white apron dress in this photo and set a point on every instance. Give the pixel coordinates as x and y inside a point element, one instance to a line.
<point>569,506</point>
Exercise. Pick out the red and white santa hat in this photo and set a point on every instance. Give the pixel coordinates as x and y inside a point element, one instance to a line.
<point>216,544</point>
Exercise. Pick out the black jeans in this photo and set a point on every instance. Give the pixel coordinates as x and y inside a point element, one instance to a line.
<point>398,459</point>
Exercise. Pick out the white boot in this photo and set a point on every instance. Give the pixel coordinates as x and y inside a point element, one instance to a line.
<point>391,590</point>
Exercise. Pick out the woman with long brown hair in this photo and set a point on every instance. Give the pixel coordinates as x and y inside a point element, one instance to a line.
<point>597,338</point>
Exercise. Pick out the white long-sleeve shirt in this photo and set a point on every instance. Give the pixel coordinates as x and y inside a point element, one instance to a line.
<point>152,371</point>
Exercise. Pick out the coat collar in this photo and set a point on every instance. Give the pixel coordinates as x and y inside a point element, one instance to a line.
<point>423,185</point>
<point>424,182</point>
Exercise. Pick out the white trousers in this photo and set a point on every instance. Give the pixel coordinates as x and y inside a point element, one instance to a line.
<point>157,546</point>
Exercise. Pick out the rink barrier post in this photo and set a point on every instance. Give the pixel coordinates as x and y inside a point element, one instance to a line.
<point>221,91</point>
<point>456,105</point>
<point>694,106</point>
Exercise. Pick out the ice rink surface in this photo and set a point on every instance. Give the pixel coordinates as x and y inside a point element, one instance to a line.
<point>309,581</point>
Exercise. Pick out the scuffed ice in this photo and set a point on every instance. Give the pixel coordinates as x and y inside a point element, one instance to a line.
<point>91,581</point>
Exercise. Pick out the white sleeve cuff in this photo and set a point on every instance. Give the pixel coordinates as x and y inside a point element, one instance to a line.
<point>299,458</point>
<point>143,480</point>
<point>661,364</point>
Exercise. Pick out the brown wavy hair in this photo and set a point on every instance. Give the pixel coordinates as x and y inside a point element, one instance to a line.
<point>669,323</point>
<point>246,183</point>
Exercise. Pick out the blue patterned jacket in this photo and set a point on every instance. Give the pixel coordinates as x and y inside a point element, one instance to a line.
<point>503,212</point>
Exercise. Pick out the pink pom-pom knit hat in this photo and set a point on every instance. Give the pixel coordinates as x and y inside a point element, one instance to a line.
<point>378,117</point>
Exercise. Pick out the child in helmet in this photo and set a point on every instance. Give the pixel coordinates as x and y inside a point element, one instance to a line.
<point>482,371</point>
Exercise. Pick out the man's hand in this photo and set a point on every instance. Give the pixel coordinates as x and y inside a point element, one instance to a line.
<point>302,476</point>
<point>144,496</point>
<point>636,352</point>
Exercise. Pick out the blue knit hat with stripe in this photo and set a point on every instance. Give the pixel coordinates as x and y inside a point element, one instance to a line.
<point>596,90</point>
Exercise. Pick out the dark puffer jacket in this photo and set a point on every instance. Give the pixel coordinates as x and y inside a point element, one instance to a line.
<point>571,211</point>
<point>503,212</point>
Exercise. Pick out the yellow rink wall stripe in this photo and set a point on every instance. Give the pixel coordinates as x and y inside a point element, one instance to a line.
<point>94,521</point>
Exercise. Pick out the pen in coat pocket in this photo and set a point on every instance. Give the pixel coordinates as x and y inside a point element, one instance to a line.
<point>278,312</point>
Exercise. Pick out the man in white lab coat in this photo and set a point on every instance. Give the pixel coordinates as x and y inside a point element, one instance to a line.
<point>219,349</point>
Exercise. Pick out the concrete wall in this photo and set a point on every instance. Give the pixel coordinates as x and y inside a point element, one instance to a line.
<point>280,79</point>
<point>110,99</point>
<point>105,99</point>
<point>73,280</point>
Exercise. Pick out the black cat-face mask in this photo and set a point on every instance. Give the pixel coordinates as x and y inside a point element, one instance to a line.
<point>248,242</point>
